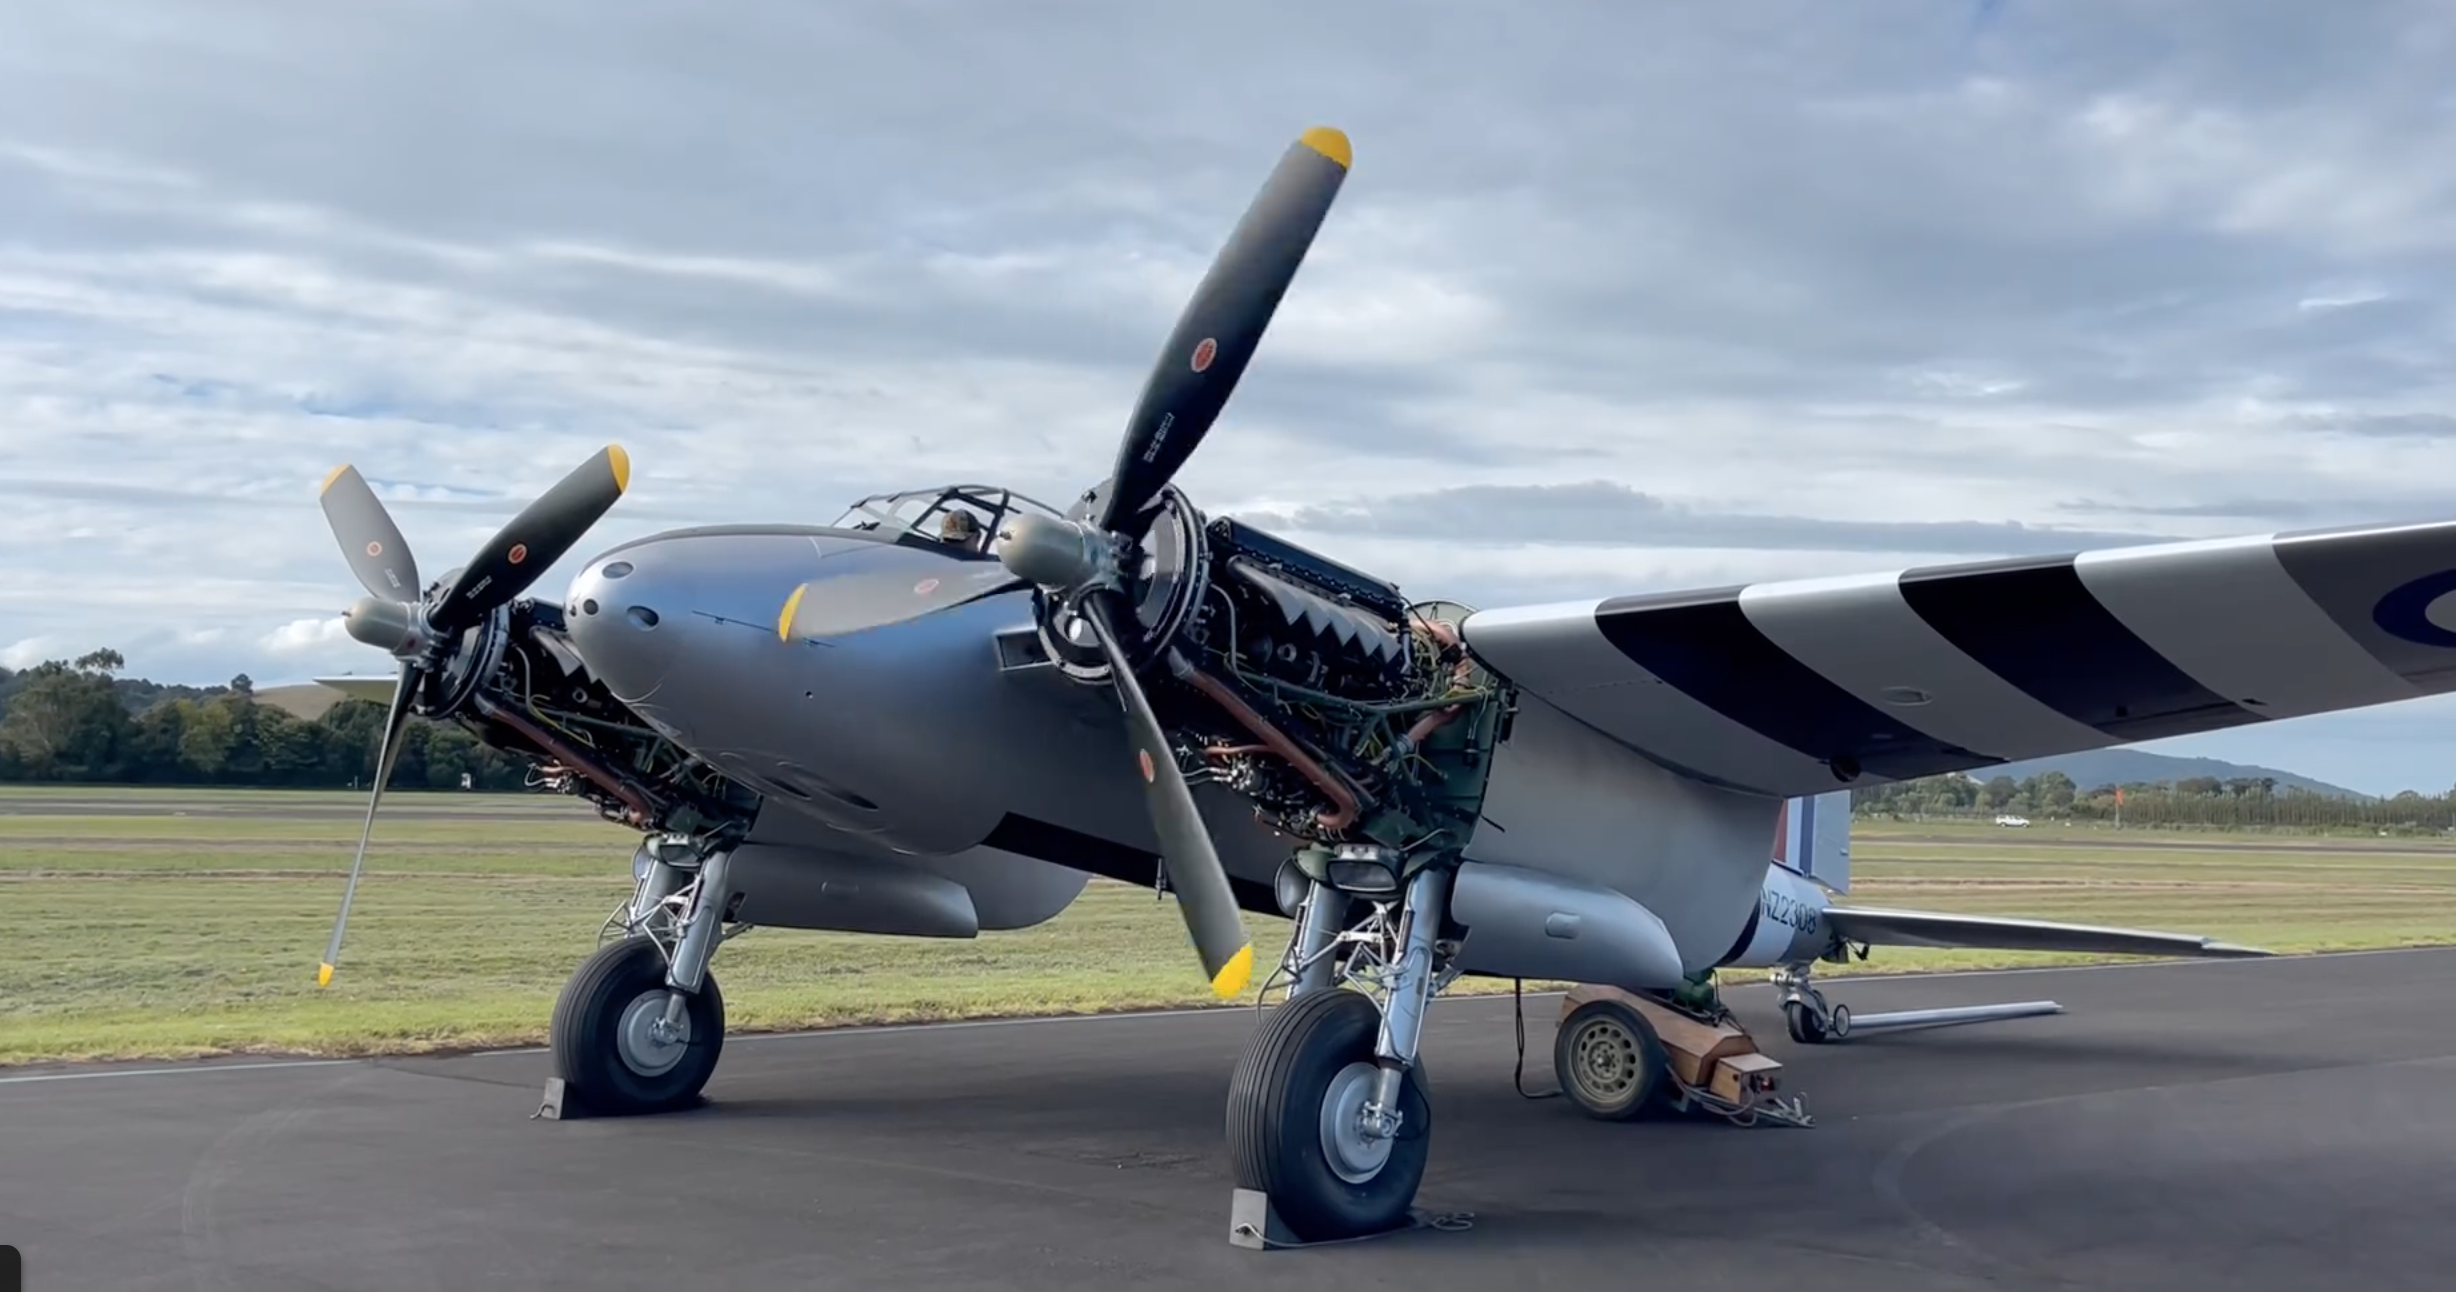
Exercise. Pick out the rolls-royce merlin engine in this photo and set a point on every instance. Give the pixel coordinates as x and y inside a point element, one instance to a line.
<point>1347,713</point>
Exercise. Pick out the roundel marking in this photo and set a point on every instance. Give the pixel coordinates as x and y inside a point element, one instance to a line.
<point>1143,756</point>
<point>1205,351</point>
<point>519,553</point>
<point>2422,611</point>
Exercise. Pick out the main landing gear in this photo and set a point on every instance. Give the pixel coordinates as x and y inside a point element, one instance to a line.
<point>641,1022</point>
<point>1329,1115</point>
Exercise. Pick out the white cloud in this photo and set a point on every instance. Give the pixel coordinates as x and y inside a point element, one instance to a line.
<point>306,637</point>
<point>26,652</point>
<point>2129,270</point>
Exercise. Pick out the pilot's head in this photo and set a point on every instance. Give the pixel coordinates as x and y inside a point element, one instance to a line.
<point>960,527</point>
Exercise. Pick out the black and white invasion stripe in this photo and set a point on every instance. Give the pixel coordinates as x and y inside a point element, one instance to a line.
<point>1795,687</point>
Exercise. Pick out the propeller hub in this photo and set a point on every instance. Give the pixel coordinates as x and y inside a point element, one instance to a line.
<point>387,625</point>
<point>1054,552</point>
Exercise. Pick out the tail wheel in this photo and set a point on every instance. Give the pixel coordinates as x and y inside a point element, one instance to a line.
<point>1609,1061</point>
<point>607,1046</point>
<point>1293,1112</point>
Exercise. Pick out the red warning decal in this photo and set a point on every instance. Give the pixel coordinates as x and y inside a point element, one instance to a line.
<point>1205,351</point>
<point>519,553</point>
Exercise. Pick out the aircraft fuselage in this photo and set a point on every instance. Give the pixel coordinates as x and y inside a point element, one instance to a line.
<point>950,732</point>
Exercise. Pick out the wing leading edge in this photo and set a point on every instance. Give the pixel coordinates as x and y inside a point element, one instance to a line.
<point>1791,688</point>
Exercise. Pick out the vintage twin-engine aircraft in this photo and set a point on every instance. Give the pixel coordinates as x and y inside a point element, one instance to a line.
<point>945,711</point>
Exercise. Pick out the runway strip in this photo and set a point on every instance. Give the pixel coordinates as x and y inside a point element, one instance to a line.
<point>2237,1125</point>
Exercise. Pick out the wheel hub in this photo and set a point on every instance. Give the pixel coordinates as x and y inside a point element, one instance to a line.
<point>1604,1059</point>
<point>644,1042</point>
<point>1352,1154</point>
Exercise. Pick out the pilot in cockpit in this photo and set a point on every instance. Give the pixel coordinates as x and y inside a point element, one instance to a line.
<point>960,528</point>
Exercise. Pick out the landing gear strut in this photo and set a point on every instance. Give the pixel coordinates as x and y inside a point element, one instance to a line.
<point>1810,1018</point>
<point>641,1022</point>
<point>1328,1114</point>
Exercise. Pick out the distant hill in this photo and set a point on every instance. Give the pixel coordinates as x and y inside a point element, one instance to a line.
<point>2130,766</point>
<point>302,700</point>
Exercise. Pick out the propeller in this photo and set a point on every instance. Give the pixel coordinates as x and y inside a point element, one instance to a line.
<point>1081,563</point>
<point>414,626</point>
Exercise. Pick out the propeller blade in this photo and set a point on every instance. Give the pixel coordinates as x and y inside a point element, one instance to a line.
<point>834,607</point>
<point>377,553</point>
<point>1194,869</point>
<point>534,540</point>
<point>390,749</point>
<point>1223,323</point>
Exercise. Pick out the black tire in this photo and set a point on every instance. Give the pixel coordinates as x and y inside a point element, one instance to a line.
<point>1275,1105</point>
<point>1610,1062</point>
<point>1803,1024</point>
<point>588,1020</point>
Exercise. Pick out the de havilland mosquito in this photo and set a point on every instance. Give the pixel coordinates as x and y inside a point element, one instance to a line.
<point>946,711</point>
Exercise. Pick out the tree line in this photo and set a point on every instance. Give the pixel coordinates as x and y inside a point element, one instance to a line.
<point>78,721</point>
<point>2197,802</point>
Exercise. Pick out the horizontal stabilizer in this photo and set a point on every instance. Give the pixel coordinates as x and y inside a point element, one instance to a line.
<point>362,686</point>
<point>1889,928</point>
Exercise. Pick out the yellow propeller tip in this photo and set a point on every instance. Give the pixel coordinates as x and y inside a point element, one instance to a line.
<point>331,476</point>
<point>1331,142</point>
<point>621,462</point>
<point>784,619</point>
<point>324,975</point>
<point>1232,976</point>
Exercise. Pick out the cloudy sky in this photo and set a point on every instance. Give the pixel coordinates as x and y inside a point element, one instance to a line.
<point>1620,297</point>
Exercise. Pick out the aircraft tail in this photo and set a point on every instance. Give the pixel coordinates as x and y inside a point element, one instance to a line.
<point>1812,838</point>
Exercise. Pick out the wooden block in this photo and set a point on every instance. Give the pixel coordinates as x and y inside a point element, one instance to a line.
<point>1733,1076</point>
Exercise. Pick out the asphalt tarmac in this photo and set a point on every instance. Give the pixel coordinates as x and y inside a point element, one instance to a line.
<point>2239,1125</point>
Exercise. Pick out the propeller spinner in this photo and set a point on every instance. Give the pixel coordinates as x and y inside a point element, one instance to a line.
<point>1081,563</point>
<point>397,617</point>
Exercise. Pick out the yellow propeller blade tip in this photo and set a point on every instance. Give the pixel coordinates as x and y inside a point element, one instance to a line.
<point>335,474</point>
<point>324,975</point>
<point>784,620</point>
<point>1331,142</point>
<point>621,462</point>
<point>1232,976</point>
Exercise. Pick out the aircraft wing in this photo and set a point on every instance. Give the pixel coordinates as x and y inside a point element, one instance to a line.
<point>1798,687</point>
<point>1876,927</point>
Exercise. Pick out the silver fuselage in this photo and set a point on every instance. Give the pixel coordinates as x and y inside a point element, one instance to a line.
<point>943,742</point>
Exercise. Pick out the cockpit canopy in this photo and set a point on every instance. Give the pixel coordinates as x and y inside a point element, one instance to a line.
<point>960,515</point>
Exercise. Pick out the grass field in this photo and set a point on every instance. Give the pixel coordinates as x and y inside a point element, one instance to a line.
<point>171,923</point>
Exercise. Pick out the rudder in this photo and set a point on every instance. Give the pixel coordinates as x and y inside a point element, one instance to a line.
<point>1812,837</point>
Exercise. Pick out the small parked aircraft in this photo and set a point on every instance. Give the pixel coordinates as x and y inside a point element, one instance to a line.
<point>946,710</point>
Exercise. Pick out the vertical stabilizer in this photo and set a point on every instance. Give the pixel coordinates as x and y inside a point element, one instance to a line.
<point>1813,837</point>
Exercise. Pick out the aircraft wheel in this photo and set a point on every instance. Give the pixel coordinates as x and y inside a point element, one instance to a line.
<point>1804,1025</point>
<point>1609,1061</point>
<point>1293,1104</point>
<point>604,1047</point>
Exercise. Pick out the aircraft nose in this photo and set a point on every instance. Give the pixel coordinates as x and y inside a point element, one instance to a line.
<point>627,616</point>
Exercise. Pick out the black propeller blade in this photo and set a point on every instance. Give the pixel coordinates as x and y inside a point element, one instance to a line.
<point>1194,868</point>
<point>1216,336</point>
<point>535,539</point>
